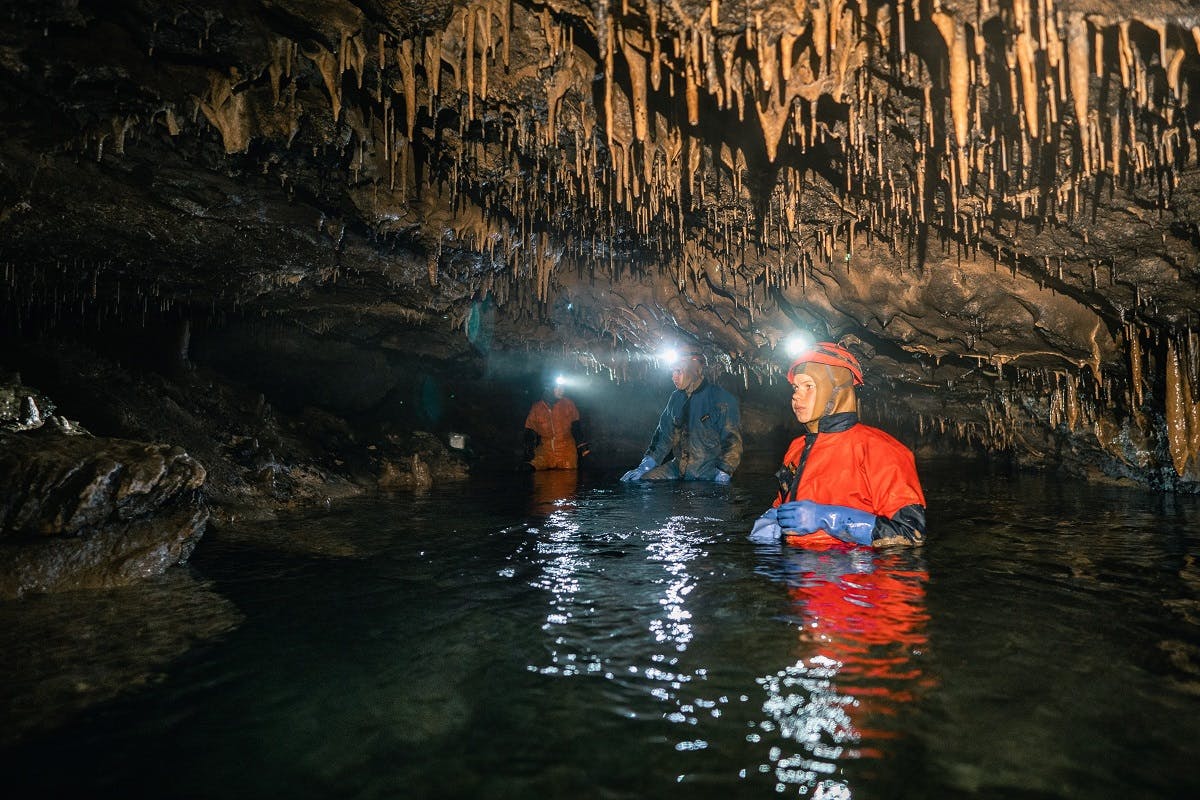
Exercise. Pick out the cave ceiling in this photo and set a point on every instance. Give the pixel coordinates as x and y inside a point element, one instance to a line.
<point>964,190</point>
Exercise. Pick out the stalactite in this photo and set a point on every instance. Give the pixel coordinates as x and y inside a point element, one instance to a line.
<point>405,60</point>
<point>1191,395</point>
<point>329,67</point>
<point>1024,48</point>
<point>1071,401</point>
<point>226,110</point>
<point>433,67</point>
<point>1077,65</point>
<point>1182,413</point>
<point>956,46</point>
<point>633,48</point>
<point>354,56</point>
<point>607,34</point>
<point>1135,363</point>
<point>483,35</point>
<point>469,18</point>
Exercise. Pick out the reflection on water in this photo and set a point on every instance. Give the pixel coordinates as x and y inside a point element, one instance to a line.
<point>63,653</point>
<point>561,556</point>
<point>553,490</point>
<point>561,635</point>
<point>672,546</point>
<point>858,622</point>
<point>861,633</point>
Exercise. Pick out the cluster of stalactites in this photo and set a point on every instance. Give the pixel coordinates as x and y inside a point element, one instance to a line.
<point>773,68</point>
<point>984,102</point>
<point>1176,361</point>
<point>1070,401</point>
<point>41,296</point>
<point>981,108</point>
<point>1049,62</point>
<point>994,435</point>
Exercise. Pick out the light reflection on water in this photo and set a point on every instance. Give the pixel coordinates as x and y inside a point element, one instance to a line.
<point>859,628</point>
<point>861,634</point>
<point>671,546</point>
<point>563,638</point>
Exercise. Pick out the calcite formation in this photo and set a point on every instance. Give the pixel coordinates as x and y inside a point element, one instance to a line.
<point>997,200</point>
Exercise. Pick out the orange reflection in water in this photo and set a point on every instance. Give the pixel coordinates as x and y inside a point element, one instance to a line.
<point>863,620</point>
<point>553,489</point>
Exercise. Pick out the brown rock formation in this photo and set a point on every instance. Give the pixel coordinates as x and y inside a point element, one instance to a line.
<point>996,199</point>
<point>80,512</point>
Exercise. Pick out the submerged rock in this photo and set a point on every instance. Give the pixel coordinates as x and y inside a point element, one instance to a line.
<point>67,652</point>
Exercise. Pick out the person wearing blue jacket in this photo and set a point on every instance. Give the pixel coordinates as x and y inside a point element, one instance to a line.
<point>699,435</point>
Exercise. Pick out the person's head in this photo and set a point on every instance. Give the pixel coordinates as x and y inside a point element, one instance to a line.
<point>687,369</point>
<point>552,389</point>
<point>823,380</point>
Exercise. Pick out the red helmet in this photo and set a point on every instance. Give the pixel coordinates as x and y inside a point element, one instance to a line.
<point>828,353</point>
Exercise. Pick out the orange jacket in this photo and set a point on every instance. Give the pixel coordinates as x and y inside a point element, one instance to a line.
<point>852,465</point>
<point>556,450</point>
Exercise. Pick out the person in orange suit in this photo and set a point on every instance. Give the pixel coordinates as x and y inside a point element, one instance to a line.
<point>843,484</point>
<point>553,433</point>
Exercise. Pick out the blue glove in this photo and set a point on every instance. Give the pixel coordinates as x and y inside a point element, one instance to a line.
<point>848,524</point>
<point>766,530</point>
<point>641,469</point>
<point>722,477</point>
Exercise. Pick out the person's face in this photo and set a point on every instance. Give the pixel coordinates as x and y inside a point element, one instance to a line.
<point>558,392</point>
<point>686,373</point>
<point>818,389</point>
<point>804,398</point>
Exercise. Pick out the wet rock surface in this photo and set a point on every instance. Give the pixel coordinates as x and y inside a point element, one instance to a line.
<point>61,486</point>
<point>84,512</point>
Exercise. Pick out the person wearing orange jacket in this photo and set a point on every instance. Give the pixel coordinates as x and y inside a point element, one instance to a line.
<point>553,435</point>
<point>843,484</point>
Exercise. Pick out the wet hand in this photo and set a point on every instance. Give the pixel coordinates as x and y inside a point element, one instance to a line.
<point>641,469</point>
<point>766,530</point>
<point>848,524</point>
<point>799,516</point>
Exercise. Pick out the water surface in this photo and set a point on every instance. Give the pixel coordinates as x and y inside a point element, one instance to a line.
<point>540,636</point>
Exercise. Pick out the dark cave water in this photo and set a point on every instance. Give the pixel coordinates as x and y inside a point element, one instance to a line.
<point>537,637</point>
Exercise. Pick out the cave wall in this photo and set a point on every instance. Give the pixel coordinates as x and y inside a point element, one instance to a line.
<point>993,203</point>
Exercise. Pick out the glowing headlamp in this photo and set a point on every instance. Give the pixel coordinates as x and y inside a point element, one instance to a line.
<point>797,343</point>
<point>675,358</point>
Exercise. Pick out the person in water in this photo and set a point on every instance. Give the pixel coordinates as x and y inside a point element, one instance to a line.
<point>699,435</point>
<point>553,431</point>
<point>843,483</point>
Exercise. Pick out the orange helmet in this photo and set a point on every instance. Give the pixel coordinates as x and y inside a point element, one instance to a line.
<point>828,353</point>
